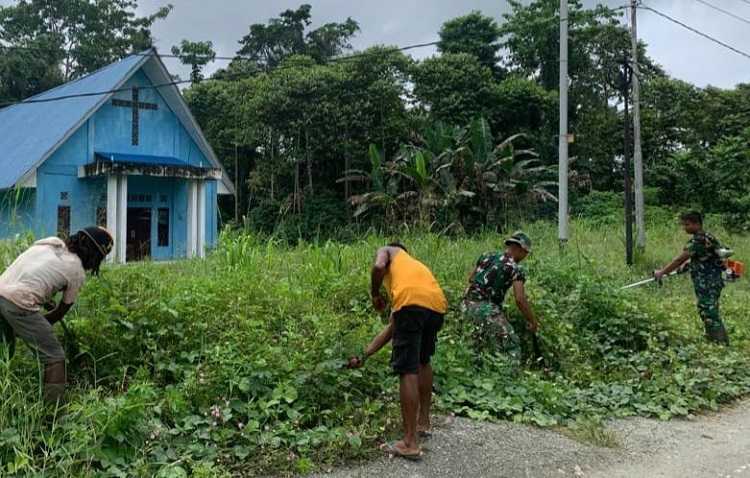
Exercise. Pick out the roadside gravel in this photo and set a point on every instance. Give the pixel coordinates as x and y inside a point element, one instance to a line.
<point>711,446</point>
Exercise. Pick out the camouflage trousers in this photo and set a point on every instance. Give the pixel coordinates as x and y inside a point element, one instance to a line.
<point>491,330</point>
<point>708,309</point>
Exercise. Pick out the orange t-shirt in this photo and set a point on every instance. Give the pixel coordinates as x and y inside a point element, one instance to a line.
<point>410,282</point>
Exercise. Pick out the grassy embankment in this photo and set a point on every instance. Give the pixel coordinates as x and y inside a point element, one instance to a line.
<point>233,365</point>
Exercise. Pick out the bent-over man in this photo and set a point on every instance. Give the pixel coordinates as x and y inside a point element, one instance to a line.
<point>418,306</point>
<point>47,267</point>
<point>494,274</point>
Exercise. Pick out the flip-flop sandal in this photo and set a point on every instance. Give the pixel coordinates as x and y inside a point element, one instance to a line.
<point>392,449</point>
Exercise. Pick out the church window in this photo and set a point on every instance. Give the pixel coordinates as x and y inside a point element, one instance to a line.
<point>101,216</point>
<point>163,227</point>
<point>63,222</point>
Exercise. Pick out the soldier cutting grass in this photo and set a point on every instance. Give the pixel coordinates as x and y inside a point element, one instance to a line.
<point>418,306</point>
<point>706,266</point>
<point>495,273</point>
<point>47,267</point>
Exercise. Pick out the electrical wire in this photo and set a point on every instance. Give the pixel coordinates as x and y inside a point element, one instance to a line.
<point>199,57</point>
<point>696,31</point>
<point>725,12</point>
<point>237,57</point>
<point>330,61</point>
<point>225,78</point>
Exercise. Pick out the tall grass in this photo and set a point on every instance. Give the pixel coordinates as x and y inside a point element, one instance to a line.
<point>232,365</point>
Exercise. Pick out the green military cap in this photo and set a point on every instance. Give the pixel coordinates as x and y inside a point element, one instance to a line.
<point>521,239</point>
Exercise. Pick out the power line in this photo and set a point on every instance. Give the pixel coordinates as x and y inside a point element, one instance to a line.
<point>725,12</point>
<point>226,78</point>
<point>746,1</point>
<point>698,32</point>
<point>246,57</point>
<point>198,57</point>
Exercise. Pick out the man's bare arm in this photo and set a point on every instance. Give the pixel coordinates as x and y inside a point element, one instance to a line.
<point>374,347</point>
<point>380,340</point>
<point>379,270</point>
<point>58,313</point>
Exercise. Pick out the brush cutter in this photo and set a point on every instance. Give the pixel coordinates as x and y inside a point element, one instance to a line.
<point>733,271</point>
<point>682,270</point>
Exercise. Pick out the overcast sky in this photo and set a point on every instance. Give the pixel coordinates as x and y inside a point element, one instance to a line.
<point>682,53</point>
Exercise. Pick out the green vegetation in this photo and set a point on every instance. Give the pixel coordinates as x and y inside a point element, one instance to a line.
<point>593,432</point>
<point>232,365</point>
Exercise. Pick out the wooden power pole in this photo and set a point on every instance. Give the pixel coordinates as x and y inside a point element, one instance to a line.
<point>640,213</point>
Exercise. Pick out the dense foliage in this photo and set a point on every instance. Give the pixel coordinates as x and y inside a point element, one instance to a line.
<point>233,365</point>
<point>318,119</point>
<point>297,108</point>
<point>51,42</point>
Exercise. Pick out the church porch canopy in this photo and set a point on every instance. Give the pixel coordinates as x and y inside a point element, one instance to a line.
<point>118,164</point>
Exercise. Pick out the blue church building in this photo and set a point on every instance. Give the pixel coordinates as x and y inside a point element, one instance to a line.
<point>118,148</point>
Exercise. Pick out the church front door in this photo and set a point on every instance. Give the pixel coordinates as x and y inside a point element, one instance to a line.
<point>138,234</point>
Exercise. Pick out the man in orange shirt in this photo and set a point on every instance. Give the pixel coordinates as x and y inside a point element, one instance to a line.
<point>418,306</point>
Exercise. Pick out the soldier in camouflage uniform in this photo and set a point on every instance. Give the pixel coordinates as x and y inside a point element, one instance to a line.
<point>495,273</point>
<point>706,267</point>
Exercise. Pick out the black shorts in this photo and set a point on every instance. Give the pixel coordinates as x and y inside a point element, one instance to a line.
<point>414,338</point>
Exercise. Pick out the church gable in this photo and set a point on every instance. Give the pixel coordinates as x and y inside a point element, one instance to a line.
<point>139,121</point>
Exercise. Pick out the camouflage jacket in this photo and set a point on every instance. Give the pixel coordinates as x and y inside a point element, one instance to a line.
<point>705,263</point>
<point>494,274</point>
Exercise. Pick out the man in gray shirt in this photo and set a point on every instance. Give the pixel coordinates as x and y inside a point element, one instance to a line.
<point>31,282</point>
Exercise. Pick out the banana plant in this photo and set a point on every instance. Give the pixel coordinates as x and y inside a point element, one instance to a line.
<point>501,174</point>
<point>381,191</point>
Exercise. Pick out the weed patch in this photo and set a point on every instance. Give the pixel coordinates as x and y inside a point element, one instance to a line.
<point>232,366</point>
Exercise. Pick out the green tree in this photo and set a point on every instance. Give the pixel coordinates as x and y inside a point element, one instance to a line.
<point>474,34</point>
<point>89,33</point>
<point>531,36</point>
<point>729,192</point>
<point>215,106</point>
<point>196,55</point>
<point>455,88</point>
<point>26,72</point>
<point>301,126</point>
<point>267,45</point>
<point>54,41</point>
<point>726,112</point>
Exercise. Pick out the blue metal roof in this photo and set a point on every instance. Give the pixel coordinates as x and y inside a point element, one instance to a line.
<point>141,159</point>
<point>30,132</point>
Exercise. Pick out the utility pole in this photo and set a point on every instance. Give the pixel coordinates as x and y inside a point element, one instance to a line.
<point>640,209</point>
<point>236,186</point>
<point>625,81</point>
<point>562,214</point>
